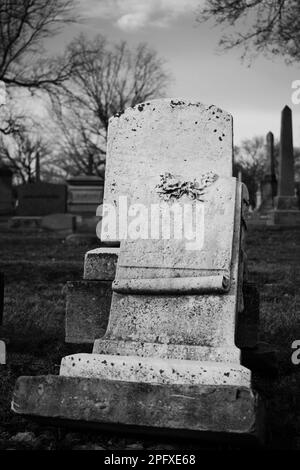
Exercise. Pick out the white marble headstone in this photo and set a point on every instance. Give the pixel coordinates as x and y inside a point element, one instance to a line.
<point>164,136</point>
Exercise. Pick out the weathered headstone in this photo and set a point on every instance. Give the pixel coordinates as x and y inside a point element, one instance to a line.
<point>6,192</point>
<point>269,184</point>
<point>286,203</point>
<point>85,193</point>
<point>168,359</point>
<point>286,156</point>
<point>39,199</point>
<point>271,167</point>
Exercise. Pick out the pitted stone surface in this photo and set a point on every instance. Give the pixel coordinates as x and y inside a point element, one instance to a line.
<point>199,320</point>
<point>187,410</point>
<point>204,320</point>
<point>167,351</point>
<point>100,264</point>
<point>161,136</point>
<point>171,286</point>
<point>149,370</point>
<point>213,257</point>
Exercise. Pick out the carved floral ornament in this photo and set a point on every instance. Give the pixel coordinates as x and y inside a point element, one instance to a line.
<point>172,187</point>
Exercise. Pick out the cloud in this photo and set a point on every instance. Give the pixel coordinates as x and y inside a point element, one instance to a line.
<point>132,21</point>
<point>132,15</point>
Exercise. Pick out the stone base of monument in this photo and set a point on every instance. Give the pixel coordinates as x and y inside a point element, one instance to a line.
<point>100,264</point>
<point>88,301</point>
<point>84,325</point>
<point>88,304</point>
<point>197,410</point>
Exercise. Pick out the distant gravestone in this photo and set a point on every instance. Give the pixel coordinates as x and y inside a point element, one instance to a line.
<point>39,199</point>
<point>286,183</point>
<point>6,193</point>
<point>85,194</point>
<point>286,203</point>
<point>269,184</point>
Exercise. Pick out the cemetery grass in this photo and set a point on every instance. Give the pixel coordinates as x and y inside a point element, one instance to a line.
<point>36,267</point>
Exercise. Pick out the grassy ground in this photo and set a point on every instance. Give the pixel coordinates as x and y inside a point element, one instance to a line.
<point>36,268</point>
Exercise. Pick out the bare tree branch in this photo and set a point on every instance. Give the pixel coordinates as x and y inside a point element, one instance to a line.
<point>22,145</point>
<point>24,25</point>
<point>105,80</point>
<point>268,26</point>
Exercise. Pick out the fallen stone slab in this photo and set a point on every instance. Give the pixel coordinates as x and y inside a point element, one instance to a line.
<point>198,410</point>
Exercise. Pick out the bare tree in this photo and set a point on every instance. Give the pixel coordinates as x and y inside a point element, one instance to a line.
<point>252,155</point>
<point>270,26</point>
<point>22,150</point>
<point>24,25</point>
<point>106,79</point>
<point>250,159</point>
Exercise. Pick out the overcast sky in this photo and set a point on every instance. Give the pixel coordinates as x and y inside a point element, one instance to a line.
<point>254,95</point>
